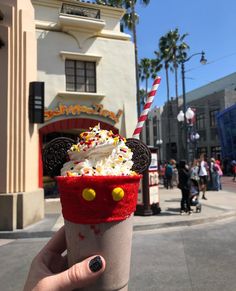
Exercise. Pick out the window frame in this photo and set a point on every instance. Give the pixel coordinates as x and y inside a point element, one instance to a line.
<point>200,121</point>
<point>212,117</point>
<point>75,85</point>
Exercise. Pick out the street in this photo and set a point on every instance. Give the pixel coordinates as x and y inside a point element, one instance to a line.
<point>188,258</point>
<point>185,259</point>
<point>228,183</point>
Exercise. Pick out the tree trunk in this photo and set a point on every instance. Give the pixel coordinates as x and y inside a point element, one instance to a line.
<point>136,54</point>
<point>168,114</point>
<point>176,83</point>
<point>146,89</point>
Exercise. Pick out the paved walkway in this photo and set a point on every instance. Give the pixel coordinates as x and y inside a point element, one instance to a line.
<point>220,205</point>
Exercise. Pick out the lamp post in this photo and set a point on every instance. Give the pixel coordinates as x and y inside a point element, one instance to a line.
<point>159,142</point>
<point>184,115</point>
<point>190,134</point>
<point>194,137</point>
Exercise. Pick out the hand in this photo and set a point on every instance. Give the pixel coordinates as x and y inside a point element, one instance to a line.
<point>49,271</point>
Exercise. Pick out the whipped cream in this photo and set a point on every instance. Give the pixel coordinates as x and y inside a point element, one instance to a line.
<point>99,153</point>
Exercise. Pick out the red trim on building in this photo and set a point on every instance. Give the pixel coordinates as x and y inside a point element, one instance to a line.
<point>83,123</point>
<point>65,124</point>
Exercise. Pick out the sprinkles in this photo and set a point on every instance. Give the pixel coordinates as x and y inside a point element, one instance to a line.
<point>99,152</point>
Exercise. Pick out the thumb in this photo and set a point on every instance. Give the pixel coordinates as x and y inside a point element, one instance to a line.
<point>80,275</point>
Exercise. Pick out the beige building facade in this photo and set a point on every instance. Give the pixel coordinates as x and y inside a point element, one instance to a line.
<point>86,60</point>
<point>21,198</point>
<point>88,67</point>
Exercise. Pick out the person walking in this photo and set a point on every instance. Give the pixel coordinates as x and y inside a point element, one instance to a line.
<point>168,175</point>
<point>174,173</point>
<point>233,164</point>
<point>203,169</point>
<point>220,174</point>
<point>184,185</point>
<point>214,174</point>
<point>194,170</point>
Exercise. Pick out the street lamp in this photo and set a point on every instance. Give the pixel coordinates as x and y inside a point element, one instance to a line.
<point>186,115</point>
<point>194,137</point>
<point>191,135</point>
<point>159,142</point>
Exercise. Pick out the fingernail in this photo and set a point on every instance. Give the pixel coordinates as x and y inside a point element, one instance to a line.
<point>95,264</point>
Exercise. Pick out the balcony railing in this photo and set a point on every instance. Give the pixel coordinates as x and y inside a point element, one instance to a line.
<point>77,10</point>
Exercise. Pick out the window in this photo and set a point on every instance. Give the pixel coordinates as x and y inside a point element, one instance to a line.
<point>80,76</point>
<point>200,121</point>
<point>213,134</point>
<point>213,117</point>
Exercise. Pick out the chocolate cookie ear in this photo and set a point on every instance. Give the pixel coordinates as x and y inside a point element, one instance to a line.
<point>141,155</point>
<point>55,155</point>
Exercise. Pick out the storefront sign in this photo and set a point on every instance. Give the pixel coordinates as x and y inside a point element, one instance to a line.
<point>96,109</point>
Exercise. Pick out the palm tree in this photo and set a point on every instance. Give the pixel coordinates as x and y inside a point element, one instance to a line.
<point>145,71</point>
<point>148,68</point>
<point>143,95</point>
<point>165,54</point>
<point>178,48</point>
<point>171,49</point>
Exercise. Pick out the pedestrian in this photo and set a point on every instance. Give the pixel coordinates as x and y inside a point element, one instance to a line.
<point>203,175</point>
<point>168,175</point>
<point>49,270</point>
<point>219,171</point>
<point>161,172</point>
<point>214,174</point>
<point>233,164</point>
<point>194,170</point>
<point>174,173</point>
<point>184,185</point>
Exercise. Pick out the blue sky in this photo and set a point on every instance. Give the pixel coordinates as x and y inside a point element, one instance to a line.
<point>211,25</point>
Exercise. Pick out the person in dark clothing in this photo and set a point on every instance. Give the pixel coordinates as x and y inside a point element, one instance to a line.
<point>168,175</point>
<point>184,185</point>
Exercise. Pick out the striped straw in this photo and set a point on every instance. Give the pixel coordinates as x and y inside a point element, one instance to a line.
<point>146,108</point>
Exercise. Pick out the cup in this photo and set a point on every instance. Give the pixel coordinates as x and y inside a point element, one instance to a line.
<point>98,215</point>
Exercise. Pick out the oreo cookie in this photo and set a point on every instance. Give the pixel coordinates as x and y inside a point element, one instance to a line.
<point>55,155</point>
<point>141,155</point>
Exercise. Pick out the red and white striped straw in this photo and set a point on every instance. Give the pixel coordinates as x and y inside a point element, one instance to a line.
<point>146,108</point>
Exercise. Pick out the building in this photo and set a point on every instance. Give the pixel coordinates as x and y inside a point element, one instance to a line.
<point>87,65</point>
<point>21,198</point>
<point>207,101</point>
<point>226,121</point>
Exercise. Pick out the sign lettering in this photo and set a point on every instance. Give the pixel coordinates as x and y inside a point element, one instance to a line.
<point>75,110</point>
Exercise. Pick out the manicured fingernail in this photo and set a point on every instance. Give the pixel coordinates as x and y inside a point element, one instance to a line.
<point>95,264</point>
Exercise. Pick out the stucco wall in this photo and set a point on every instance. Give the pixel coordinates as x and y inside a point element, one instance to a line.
<point>115,65</point>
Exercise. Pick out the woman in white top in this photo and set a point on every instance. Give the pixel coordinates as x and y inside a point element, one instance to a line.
<point>203,167</point>
<point>195,170</point>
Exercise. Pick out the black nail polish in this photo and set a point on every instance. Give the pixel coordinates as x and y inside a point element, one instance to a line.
<point>95,264</point>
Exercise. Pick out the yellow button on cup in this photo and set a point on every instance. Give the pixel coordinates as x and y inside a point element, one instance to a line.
<point>88,194</point>
<point>117,194</point>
